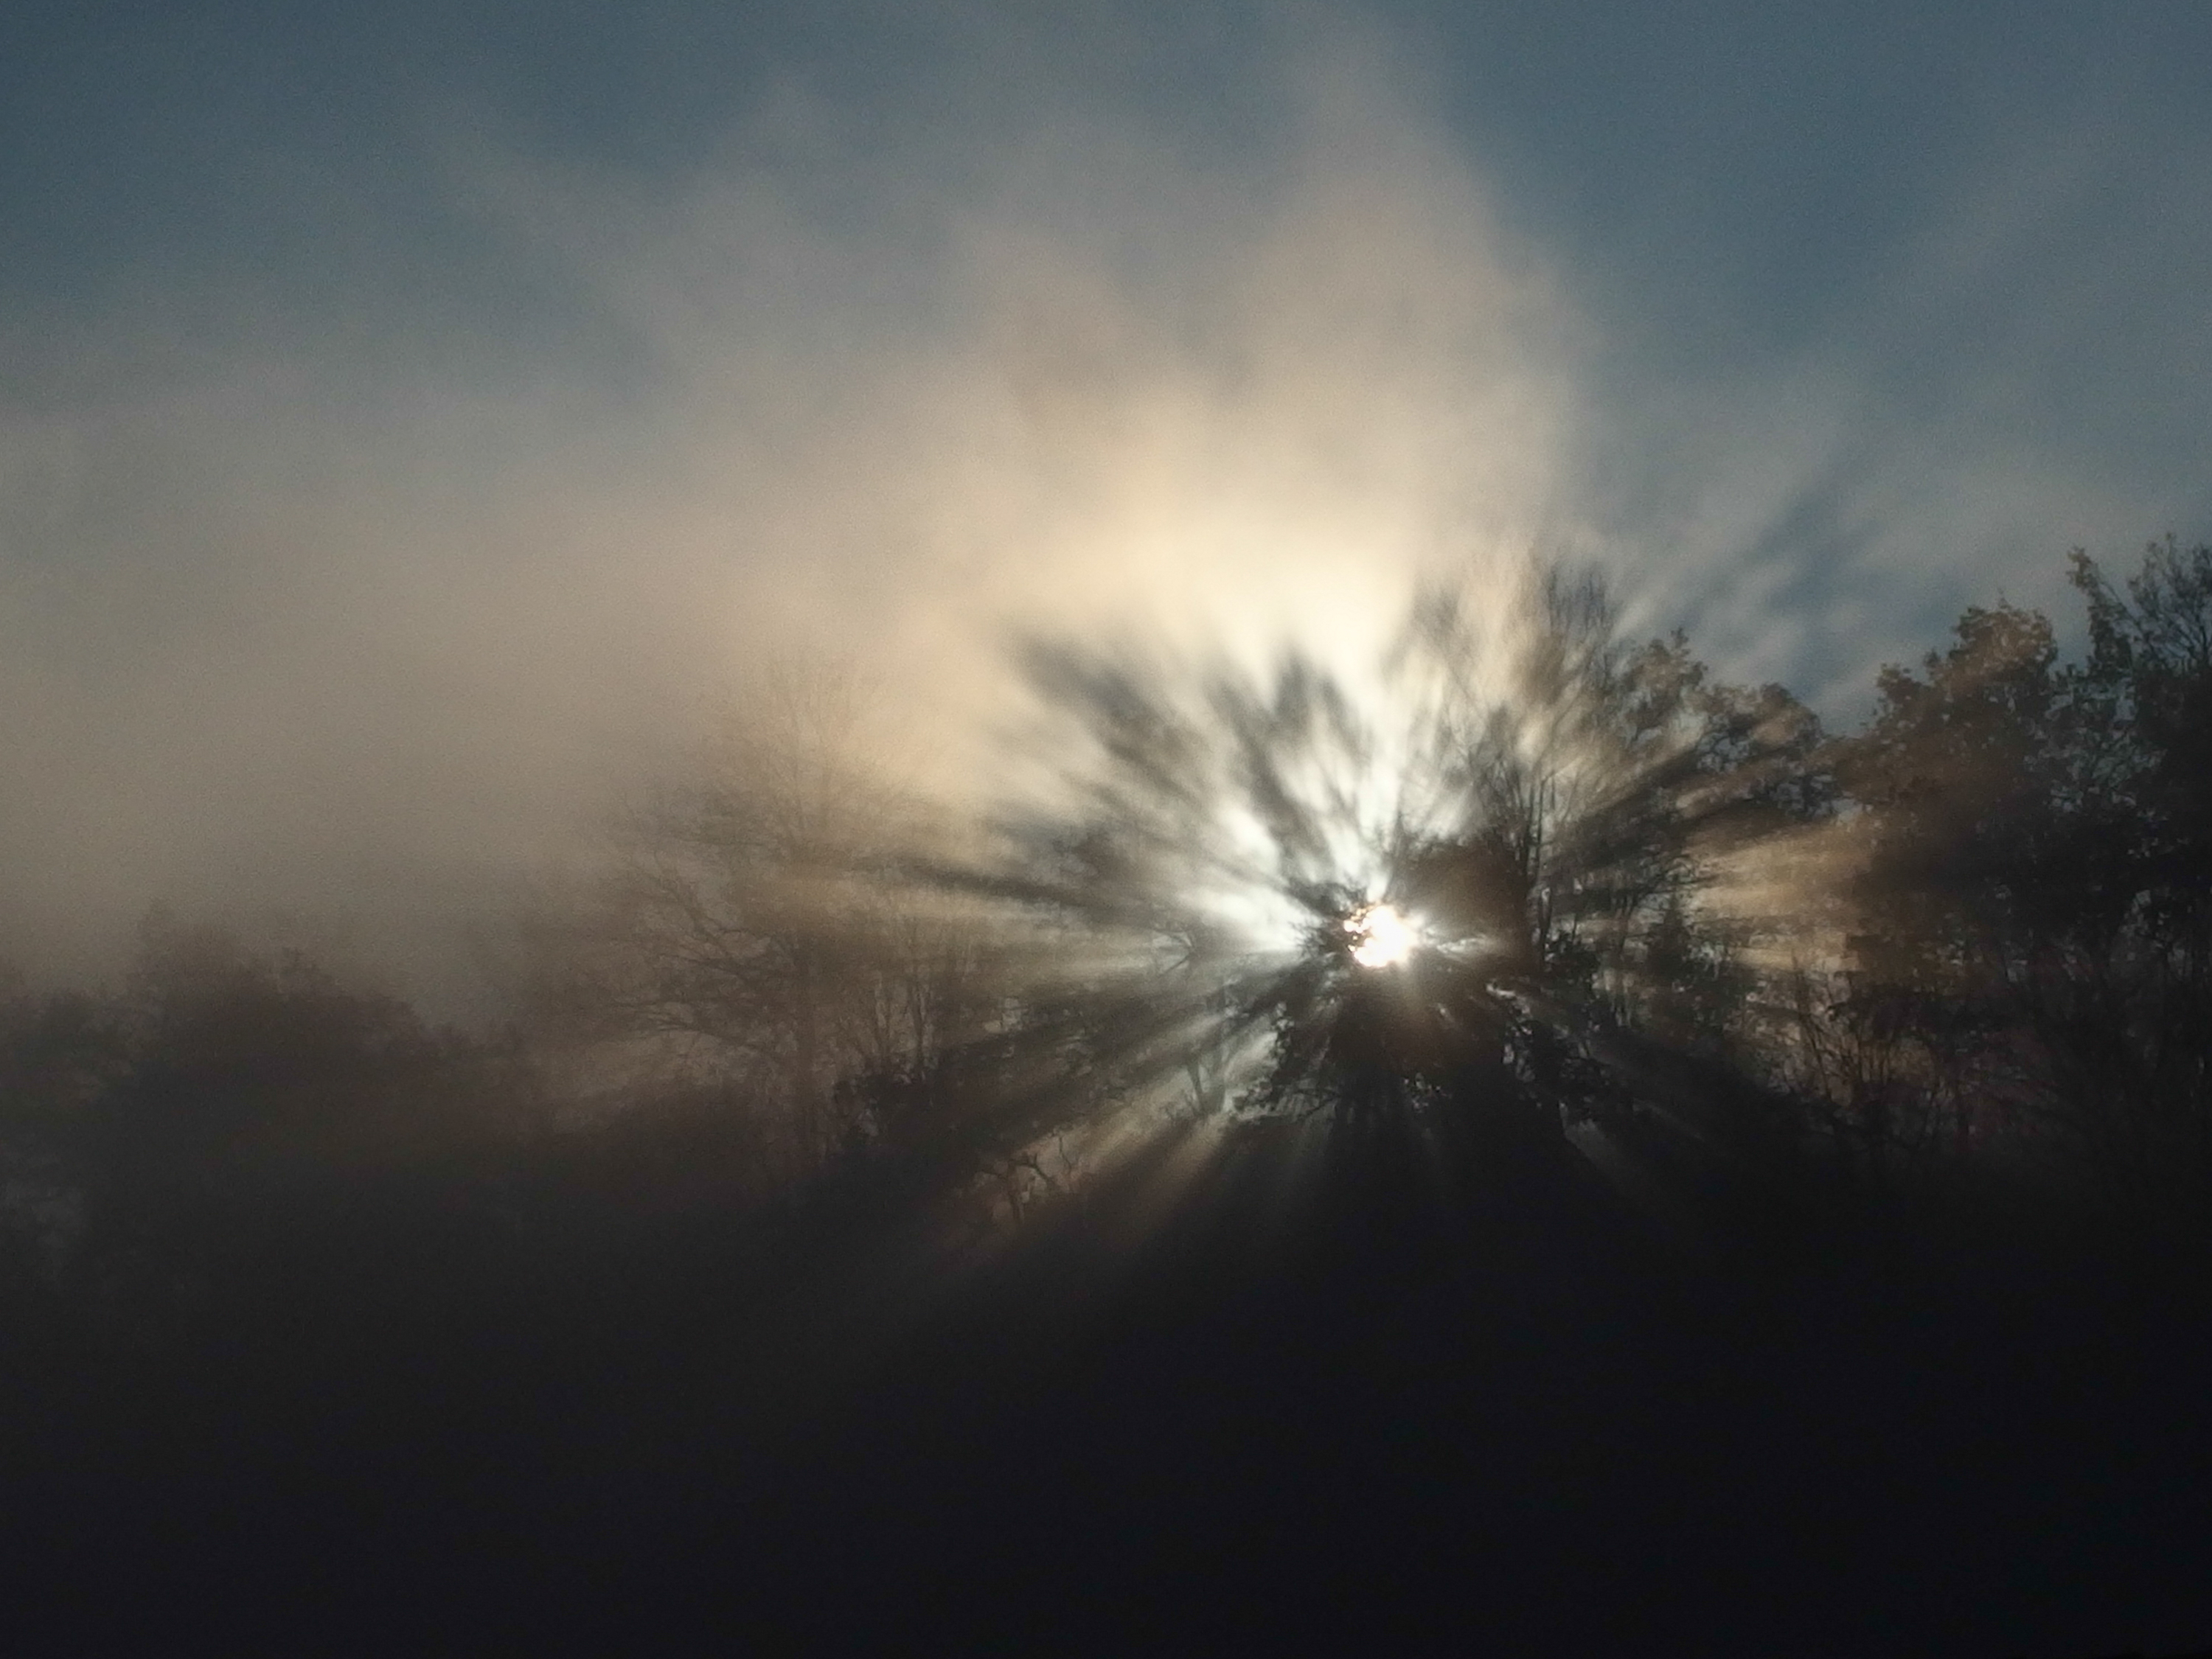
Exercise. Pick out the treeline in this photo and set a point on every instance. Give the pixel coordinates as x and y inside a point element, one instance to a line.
<point>2027,964</point>
<point>1969,938</point>
<point>1973,936</point>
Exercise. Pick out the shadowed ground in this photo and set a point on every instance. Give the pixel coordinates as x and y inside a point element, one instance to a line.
<point>1288,1387</point>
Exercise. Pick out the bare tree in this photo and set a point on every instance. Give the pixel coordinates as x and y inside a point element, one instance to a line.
<point>761,927</point>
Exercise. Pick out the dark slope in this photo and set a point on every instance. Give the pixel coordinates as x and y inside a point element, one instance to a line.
<point>1289,1390</point>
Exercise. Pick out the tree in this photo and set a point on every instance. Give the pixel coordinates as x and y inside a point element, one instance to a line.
<point>2032,940</point>
<point>1956,776</point>
<point>60,1050</point>
<point>1540,805</point>
<point>226,1045</point>
<point>2148,677</point>
<point>1620,789</point>
<point>759,928</point>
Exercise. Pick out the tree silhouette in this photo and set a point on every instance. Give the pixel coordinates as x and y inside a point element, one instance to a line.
<point>2031,941</point>
<point>1541,806</point>
<point>759,932</point>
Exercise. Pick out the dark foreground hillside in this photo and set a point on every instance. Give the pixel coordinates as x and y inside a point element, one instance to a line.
<point>1257,1393</point>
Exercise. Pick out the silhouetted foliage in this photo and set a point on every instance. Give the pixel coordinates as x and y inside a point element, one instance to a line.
<point>228,1044</point>
<point>758,941</point>
<point>59,1051</point>
<point>2032,932</point>
<point>1973,935</point>
<point>1546,813</point>
<point>1087,1155</point>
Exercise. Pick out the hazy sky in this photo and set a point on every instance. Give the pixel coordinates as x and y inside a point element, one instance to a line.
<point>411,415</point>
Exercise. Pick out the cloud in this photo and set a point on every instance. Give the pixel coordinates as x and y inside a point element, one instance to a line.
<point>359,581</point>
<point>362,623</point>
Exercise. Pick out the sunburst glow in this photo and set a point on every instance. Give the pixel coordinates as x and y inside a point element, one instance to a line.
<point>1381,938</point>
<point>1433,887</point>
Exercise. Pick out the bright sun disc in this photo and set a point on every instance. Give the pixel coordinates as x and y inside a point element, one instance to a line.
<point>1380,937</point>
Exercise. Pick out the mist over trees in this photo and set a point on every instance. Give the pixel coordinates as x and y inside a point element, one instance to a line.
<point>814,1050</point>
<point>1972,935</point>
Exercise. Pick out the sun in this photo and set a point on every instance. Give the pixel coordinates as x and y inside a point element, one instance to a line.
<point>1381,938</point>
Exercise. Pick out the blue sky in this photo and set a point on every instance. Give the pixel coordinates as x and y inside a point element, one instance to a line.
<point>410,414</point>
